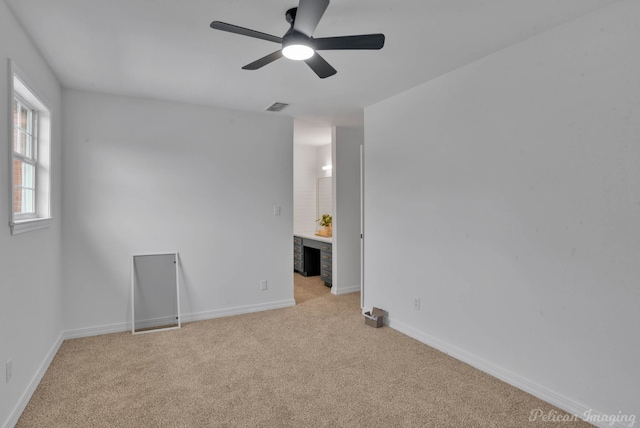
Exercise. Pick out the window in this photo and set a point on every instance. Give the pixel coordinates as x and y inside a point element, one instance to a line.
<point>24,159</point>
<point>30,148</point>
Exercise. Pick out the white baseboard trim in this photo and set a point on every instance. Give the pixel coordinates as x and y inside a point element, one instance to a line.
<point>219,313</point>
<point>570,406</point>
<point>35,381</point>
<point>345,290</point>
<point>97,331</point>
<point>157,322</point>
<point>198,316</point>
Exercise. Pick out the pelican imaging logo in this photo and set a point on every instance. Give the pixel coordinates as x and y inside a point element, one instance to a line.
<point>589,416</point>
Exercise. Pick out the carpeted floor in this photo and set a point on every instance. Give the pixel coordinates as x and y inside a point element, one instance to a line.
<point>312,365</point>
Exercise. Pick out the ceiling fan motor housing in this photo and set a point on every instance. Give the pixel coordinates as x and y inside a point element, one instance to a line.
<point>290,15</point>
<point>295,38</point>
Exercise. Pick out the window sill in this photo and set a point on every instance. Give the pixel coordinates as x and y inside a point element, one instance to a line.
<point>23,226</point>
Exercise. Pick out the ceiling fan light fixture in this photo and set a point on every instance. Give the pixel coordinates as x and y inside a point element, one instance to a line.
<point>297,52</point>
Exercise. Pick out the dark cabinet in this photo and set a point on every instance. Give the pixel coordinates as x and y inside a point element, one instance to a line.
<point>311,258</point>
<point>325,263</point>
<point>298,259</point>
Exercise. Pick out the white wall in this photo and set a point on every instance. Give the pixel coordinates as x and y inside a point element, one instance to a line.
<point>30,287</point>
<point>304,188</point>
<point>146,176</point>
<point>346,192</point>
<point>506,196</point>
<point>324,157</point>
<point>324,201</point>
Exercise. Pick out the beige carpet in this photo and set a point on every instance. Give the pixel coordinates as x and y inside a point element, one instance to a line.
<point>312,365</point>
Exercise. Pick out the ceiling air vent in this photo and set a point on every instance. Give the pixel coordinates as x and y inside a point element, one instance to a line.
<point>276,107</point>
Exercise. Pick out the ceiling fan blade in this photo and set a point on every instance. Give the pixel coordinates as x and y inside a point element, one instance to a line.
<point>321,67</point>
<point>264,61</point>
<point>364,41</point>
<point>217,25</point>
<point>308,15</point>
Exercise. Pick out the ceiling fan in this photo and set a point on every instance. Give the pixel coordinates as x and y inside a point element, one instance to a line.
<point>298,43</point>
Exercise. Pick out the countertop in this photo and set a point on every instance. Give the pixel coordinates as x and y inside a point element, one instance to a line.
<point>328,240</point>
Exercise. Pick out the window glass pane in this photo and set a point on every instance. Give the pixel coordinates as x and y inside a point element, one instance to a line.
<point>30,122</point>
<point>22,128</point>
<point>26,145</point>
<point>24,117</point>
<point>29,127</point>
<point>23,190</point>
<point>15,112</point>
<point>17,203</point>
<point>16,135</point>
<point>22,143</point>
<point>17,173</point>
<point>27,201</point>
<point>28,175</point>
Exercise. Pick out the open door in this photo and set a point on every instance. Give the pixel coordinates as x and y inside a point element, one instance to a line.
<point>361,226</point>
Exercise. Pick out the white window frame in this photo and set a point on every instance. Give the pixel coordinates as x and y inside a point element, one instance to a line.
<point>21,88</point>
<point>29,160</point>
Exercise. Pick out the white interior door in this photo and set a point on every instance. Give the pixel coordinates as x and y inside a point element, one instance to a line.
<point>361,226</point>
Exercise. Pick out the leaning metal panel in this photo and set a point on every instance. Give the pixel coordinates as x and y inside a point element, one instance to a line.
<point>155,292</point>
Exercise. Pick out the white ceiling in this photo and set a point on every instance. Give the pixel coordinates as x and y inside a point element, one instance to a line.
<point>311,134</point>
<point>164,49</point>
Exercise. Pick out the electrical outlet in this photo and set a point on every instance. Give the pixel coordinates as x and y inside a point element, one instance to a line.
<point>9,370</point>
<point>276,210</point>
<point>416,303</point>
<point>263,285</point>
